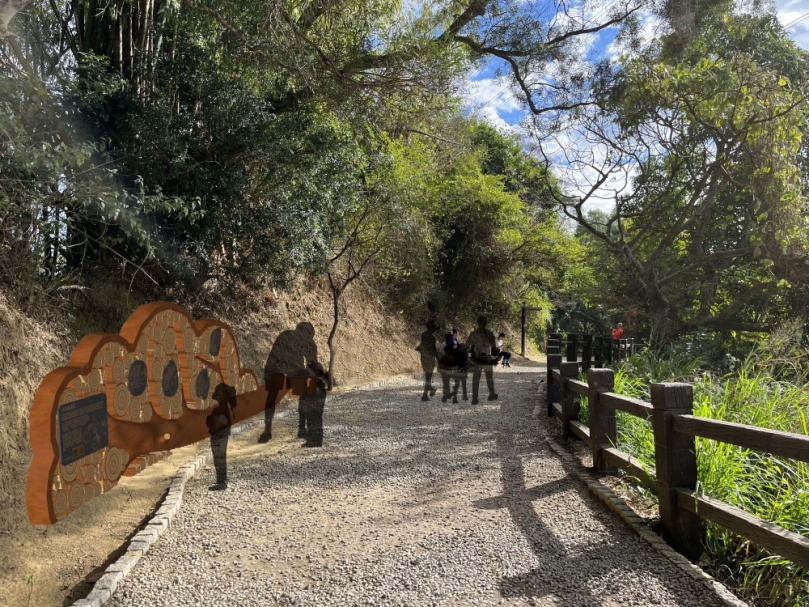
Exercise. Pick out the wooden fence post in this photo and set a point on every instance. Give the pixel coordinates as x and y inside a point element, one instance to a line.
<point>570,408</point>
<point>552,346</point>
<point>553,395</point>
<point>598,349</point>
<point>572,347</point>
<point>603,429</point>
<point>586,352</point>
<point>676,464</point>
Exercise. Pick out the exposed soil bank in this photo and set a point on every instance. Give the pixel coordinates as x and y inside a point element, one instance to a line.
<point>60,557</point>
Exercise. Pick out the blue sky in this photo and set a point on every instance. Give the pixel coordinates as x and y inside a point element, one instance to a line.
<point>494,102</point>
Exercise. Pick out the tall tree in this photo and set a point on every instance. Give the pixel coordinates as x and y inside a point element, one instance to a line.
<point>702,156</point>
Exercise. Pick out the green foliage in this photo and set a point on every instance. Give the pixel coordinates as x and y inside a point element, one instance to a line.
<point>710,235</point>
<point>474,242</point>
<point>770,487</point>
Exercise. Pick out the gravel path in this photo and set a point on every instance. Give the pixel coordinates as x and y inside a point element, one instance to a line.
<point>409,503</point>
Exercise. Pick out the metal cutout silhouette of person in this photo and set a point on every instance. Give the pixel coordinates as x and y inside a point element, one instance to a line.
<point>293,353</point>
<point>311,407</point>
<point>218,422</point>
<point>482,341</point>
<point>428,354</point>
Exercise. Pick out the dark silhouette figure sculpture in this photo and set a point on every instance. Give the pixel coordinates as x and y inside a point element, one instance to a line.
<point>311,408</point>
<point>482,343</point>
<point>218,422</point>
<point>429,356</point>
<point>293,354</point>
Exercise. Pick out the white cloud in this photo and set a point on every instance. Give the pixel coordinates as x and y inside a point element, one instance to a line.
<point>491,116</point>
<point>491,92</point>
<point>792,11</point>
<point>490,99</point>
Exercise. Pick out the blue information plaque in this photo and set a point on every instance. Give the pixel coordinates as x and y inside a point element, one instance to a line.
<point>82,428</point>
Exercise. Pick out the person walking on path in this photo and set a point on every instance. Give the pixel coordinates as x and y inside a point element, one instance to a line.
<point>454,349</point>
<point>483,339</point>
<point>429,355</point>
<point>618,333</point>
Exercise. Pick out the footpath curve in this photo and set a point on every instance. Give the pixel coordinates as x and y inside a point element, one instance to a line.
<point>409,503</point>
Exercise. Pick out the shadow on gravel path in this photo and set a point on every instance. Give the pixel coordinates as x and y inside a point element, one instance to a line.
<point>566,574</point>
<point>409,502</point>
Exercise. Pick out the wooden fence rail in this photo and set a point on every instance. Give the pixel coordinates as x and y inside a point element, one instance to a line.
<point>675,476</point>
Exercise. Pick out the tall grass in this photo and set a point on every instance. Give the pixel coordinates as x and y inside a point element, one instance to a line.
<point>773,488</point>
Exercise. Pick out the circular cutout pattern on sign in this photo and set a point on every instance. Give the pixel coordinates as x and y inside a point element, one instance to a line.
<point>121,400</point>
<point>118,370</point>
<point>157,369</point>
<point>216,341</point>
<point>95,380</point>
<point>113,464</point>
<point>202,385</point>
<point>69,472</point>
<point>188,340</point>
<point>137,378</point>
<point>170,382</point>
<point>68,396</point>
<point>60,503</point>
<point>170,340</point>
<point>76,495</point>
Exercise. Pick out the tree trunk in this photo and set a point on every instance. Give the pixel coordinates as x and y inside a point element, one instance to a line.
<point>335,295</point>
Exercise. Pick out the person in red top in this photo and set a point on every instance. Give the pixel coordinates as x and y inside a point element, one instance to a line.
<point>619,332</point>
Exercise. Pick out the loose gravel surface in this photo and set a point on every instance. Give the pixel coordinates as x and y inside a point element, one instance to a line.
<point>408,503</point>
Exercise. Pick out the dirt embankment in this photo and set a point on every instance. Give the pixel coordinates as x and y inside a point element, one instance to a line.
<point>49,563</point>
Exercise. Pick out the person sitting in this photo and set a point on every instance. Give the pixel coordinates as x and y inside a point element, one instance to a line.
<point>499,351</point>
<point>619,332</point>
<point>454,349</point>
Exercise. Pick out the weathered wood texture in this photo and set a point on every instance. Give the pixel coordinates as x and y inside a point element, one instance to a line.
<point>676,466</point>
<point>554,394</point>
<point>572,347</point>
<point>785,543</point>
<point>586,352</point>
<point>582,431</point>
<point>675,429</point>
<point>577,387</point>
<point>570,405</point>
<point>633,406</point>
<point>626,462</point>
<point>603,429</point>
<point>785,444</point>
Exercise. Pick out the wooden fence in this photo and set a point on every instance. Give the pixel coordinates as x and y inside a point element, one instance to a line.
<point>675,476</point>
<point>595,351</point>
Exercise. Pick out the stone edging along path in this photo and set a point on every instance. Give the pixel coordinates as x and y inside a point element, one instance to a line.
<point>140,543</point>
<point>632,520</point>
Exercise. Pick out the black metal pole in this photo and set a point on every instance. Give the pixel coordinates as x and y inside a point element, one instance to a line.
<point>522,339</point>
